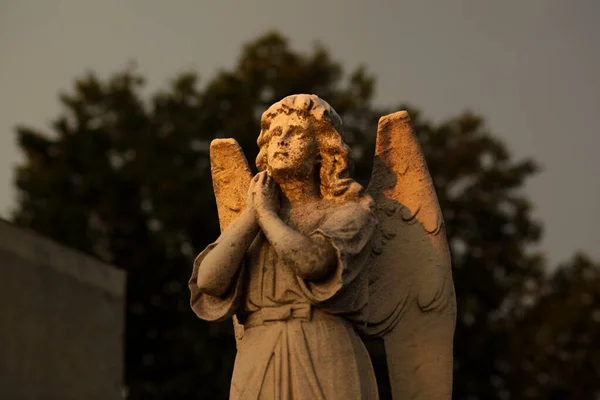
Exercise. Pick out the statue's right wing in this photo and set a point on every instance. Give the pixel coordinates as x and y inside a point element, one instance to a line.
<point>231,178</point>
<point>411,292</point>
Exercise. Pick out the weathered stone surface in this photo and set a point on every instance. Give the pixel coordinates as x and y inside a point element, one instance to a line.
<point>304,266</point>
<point>411,292</point>
<point>61,321</point>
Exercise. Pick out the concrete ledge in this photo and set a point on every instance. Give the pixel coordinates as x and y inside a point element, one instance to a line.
<point>38,250</point>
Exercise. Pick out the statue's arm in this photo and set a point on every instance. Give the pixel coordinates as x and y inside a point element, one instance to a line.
<point>218,268</point>
<point>310,258</point>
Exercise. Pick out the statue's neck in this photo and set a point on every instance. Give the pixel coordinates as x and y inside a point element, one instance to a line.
<point>297,193</point>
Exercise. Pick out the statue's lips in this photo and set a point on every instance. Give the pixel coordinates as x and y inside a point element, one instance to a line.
<point>281,154</point>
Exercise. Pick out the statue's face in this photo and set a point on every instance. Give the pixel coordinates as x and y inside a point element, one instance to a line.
<point>292,149</point>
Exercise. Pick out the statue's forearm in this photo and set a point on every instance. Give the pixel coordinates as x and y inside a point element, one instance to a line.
<point>218,268</point>
<point>309,258</point>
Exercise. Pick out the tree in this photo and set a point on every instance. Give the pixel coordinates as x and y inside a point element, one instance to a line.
<point>556,354</point>
<point>127,180</point>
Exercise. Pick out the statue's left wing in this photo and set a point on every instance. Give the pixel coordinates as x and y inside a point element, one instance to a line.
<point>231,177</point>
<point>411,292</point>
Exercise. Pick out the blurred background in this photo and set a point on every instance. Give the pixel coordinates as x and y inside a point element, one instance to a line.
<point>108,109</point>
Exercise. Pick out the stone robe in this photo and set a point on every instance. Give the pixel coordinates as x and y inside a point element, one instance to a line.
<point>299,341</point>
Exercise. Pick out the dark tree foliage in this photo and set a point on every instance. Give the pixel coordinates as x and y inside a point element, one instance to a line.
<point>127,179</point>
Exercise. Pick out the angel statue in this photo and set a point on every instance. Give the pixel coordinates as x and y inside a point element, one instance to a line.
<point>309,263</point>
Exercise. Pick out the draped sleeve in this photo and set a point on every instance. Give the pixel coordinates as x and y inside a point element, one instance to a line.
<point>212,308</point>
<point>348,230</point>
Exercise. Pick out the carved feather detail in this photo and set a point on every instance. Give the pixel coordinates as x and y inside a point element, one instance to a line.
<point>411,293</point>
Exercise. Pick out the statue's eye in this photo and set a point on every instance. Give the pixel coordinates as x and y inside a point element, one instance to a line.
<point>298,132</point>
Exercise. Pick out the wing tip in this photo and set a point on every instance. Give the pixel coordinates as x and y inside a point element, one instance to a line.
<point>224,142</point>
<point>398,115</point>
<point>220,149</point>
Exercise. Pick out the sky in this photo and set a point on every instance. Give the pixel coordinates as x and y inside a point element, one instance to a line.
<point>530,68</point>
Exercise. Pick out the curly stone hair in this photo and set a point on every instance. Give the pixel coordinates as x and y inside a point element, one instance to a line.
<point>334,155</point>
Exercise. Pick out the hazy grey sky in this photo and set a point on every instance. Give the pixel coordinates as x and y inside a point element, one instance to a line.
<point>529,67</point>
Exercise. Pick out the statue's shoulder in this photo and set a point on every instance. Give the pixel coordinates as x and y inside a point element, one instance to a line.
<point>348,213</point>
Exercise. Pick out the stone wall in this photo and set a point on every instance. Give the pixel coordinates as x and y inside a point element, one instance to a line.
<point>61,321</point>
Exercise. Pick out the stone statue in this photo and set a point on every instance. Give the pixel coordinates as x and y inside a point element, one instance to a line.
<point>308,262</point>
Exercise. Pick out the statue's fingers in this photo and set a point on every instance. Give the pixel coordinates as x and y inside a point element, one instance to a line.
<point>263,178</point>
<point>256,184</point>
<point>273,186</point>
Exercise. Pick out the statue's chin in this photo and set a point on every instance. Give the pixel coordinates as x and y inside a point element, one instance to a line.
<point>282,174</point>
